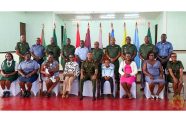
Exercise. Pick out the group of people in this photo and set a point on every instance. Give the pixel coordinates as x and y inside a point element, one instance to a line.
<point>158,63</point>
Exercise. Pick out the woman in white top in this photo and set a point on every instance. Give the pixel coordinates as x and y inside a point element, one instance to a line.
<point>71,72</point>
<point>128,71</point>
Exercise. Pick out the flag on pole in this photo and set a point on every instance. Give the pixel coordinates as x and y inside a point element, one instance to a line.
<point>136,42</point>
<point>77,37</point>
<point>54,34</point>
<point>64,37</point>
<point>149,33</point>
<point>111,34</point>
<point>42,38</point>
<point>124,35</point>
<point>87,38</point>
<point>100,37</point>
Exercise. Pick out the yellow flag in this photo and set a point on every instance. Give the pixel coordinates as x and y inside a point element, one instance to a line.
<point>124,35</point>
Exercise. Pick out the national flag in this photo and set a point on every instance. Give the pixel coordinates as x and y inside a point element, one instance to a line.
<point>77,37</point>
<point>100,37</point>
<point>87,38</point>
<point>54,34</point>
<point>149,33</point>
<point>111,34</point>
<point>124,35</point>
<point>64,37</point>
<point>42,38</point>
<point>136,42</point>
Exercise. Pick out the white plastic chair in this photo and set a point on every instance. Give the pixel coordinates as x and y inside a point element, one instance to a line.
<point>75,87</point>
<point>107,88</point>
<point>148,93</point>
<point>132,90</point>
<point>87,89</point>
<point>56,89</point>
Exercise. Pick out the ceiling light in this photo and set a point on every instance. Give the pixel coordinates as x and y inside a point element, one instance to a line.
<point>82,17</point>
<point>131,16</point>
<point>108,16</point>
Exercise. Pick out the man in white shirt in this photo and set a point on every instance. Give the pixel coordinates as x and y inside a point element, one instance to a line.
<point>81,52</point>
<point>107,75</point>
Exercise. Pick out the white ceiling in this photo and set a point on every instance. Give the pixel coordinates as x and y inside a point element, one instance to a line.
<point>96,15</point>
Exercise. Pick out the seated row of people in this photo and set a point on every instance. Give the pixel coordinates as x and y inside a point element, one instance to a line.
<point>28,73</point>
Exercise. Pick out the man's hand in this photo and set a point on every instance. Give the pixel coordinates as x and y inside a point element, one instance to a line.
<point>175,80</point>
<point>151,77</point>
<point>94,77</point>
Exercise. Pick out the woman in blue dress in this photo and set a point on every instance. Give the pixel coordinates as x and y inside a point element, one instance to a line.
<point>153,71</point>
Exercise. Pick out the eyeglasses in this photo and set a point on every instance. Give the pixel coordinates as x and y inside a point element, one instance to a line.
<point>70,57</point>
<point>174,56</point>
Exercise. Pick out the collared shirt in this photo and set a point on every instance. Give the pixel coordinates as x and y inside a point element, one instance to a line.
<point>145,49</point>
<point>97,55</point>
<point>28,66</point>
<point>82,52</point>
<point>113,50</point>
<point>38,50</point>
<point>108,71</point>
<point>68,50</point>
<point>72,67</point>
<point>129,48</point>
<point>175,66</point>
<point>55,49</point>
<point>22,48</point>
<point>89,67</point>
<point>164,49</point>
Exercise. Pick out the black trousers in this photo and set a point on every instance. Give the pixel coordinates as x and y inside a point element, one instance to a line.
<point>110,81</point>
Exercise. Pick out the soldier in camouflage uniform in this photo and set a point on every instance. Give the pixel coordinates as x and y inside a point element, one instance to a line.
<point>97,57</point>
<point>89,71</point>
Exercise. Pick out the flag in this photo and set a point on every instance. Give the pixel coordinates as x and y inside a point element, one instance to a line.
<point>149,33</point>
<point>136,42</point>
<point>54,35</point>
<point>64,37</point>
<point>42,38</point>
<point>87,38</point>
<point>77,37</point>
<point>111,34</point>
<point>124,35</point>
<point>100,37</point>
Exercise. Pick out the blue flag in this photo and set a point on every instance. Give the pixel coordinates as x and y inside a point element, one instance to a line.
<point>136,42</point>
<point>112,33</point>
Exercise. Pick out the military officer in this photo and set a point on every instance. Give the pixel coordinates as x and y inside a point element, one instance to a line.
<point>97,57</point>
<point>54,48</point>
<point>128,48</point>
<point>175,69</point>
<point>113,52</point>
<point>66,50</point>
<point>89,71</point>
<point>21,48</point>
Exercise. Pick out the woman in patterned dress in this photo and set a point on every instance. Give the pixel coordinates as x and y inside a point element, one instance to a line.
<point>71,72</point>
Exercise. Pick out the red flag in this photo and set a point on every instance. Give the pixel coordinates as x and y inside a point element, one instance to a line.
<point>77,37</point>
<point>87,39</point>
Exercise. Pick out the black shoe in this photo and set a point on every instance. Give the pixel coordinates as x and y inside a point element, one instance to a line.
<point>112,96</point>
<point>141,89</point>
<point>28,93</point>
<point>48,95</point>
<point>4,94</point>
<point>102,95</point>
<point>24,94</point>
<point>81,98</point>
<point>94,98</point>
<point>8,94</point>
